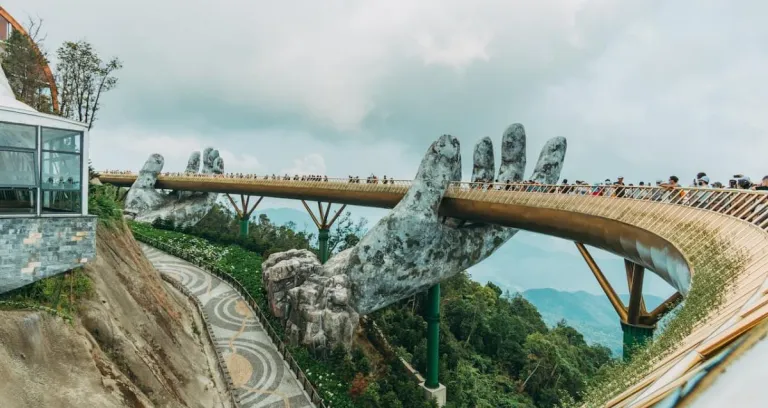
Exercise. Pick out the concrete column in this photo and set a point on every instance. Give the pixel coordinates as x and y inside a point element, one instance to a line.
<point>634,337</point>
<point>244,227</point>
<point>431,385</point>
<point>322,240</point>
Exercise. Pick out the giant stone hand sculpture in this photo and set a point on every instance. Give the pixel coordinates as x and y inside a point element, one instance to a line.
<point>406,252</point>
<point>183,207</point>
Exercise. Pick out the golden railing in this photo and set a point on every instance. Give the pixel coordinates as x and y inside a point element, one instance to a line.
<point>720,232</point>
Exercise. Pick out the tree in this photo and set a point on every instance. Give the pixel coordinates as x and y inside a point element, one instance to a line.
<point>82,77</point>
<point>24,60</point>
<point>346,233</point>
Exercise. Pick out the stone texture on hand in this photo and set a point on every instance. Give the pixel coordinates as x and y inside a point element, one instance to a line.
<point>406,252</point>
<point>184,208</point>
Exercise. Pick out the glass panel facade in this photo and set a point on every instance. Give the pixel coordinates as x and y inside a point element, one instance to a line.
<point>18,168</point>
<point>55,202</point>
<point>61,140</point>
<point>40,164</point>
<point>18,200</point>
<point>60,171</point>
<point>15,136</point>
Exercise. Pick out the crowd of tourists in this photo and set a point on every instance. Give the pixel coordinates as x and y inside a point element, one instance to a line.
<point>702,196</point>
<point>618,188</point>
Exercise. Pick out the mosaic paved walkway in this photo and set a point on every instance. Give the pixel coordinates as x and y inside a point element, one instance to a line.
<point>260,376</point>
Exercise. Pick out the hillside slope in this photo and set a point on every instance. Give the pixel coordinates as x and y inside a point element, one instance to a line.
<point>592,315</point>
<point>134,343</point>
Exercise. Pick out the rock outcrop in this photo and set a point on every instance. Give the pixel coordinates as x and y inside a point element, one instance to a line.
<point>183,207</point>
<point>135,343</point>
<point>314,307</point>
<point>406,252</point>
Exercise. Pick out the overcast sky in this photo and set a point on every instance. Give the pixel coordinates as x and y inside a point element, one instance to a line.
<point>642,89</point>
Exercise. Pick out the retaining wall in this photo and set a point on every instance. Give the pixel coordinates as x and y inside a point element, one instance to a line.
<point>33,248</point>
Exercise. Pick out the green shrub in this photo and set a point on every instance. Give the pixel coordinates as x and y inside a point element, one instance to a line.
<point>61,293</point>
<point>103,204</point>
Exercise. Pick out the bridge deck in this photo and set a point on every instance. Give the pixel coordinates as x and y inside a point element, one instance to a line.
<point>716,238</point>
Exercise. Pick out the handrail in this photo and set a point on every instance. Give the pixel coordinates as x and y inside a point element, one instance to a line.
<point>749,205</point>
<point>302,378</point>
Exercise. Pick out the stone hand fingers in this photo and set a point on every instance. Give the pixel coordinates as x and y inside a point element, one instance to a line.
<point>440,165</point>
<point>193,164</point>
<point>149,172</point>
<point>551,161</point>
<point>483,166</point>
<point>513,158</point>
<point>212,162</point>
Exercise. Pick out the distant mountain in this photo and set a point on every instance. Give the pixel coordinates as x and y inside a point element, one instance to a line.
<point>592,315</point>
<point>527,262</point>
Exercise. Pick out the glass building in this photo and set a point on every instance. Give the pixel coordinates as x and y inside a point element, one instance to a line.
<point>45,229</point>
<point>43,163</point>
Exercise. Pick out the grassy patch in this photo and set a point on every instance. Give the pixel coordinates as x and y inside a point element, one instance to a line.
<point>102,202</point>
<point>60,294</point>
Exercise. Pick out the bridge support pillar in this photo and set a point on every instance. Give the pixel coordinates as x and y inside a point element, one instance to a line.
<point>323,225</point>
<point>432,385</point>
<point>244,212</point>
<point>635,336</point>
<point>322,243</point>
<point>244,222</point>
<point>636,322</point>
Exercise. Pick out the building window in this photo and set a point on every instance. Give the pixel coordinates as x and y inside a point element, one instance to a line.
<point>18,169</point>
<point>58,140</point>
<point>61,169</point>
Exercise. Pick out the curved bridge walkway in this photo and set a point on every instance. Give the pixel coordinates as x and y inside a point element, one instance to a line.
<point>260,376</point>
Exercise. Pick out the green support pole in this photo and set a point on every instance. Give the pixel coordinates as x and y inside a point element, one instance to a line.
<point>634,337</point>
<point>433,336</point>
<point>322,240</point>
<point>244,227</point>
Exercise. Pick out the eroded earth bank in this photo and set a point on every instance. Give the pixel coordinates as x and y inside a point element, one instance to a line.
<point>134,342</point>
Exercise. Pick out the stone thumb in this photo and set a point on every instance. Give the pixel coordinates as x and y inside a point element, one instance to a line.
<point>440,166</point>
<point>149,172</point>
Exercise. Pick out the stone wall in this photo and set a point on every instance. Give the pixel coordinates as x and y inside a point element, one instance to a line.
<point>36,248</point>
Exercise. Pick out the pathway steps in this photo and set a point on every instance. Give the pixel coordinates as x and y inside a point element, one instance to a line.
<point>260,376</point>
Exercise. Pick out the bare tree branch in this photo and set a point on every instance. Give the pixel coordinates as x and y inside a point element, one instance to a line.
<point>83,77</point>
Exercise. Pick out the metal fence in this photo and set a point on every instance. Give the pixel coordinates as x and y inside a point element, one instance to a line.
<point>314,395</point>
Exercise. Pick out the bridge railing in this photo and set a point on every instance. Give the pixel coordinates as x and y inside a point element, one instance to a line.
<point>747,205</point>
<point>314,395</point>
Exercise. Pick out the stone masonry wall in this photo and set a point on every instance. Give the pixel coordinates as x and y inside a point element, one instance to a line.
<point>36,248</point>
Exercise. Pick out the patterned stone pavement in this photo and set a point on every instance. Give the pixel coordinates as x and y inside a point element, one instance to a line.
<point>260,376</point>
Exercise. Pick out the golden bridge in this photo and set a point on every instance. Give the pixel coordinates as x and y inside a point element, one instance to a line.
<point>711,245</point>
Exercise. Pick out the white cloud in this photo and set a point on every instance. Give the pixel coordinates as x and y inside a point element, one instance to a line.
<point>325,60</point>
<point>310,164</point>
<point>135,147</point>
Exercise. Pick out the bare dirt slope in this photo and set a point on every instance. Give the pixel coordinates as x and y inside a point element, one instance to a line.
<point>136,343</point>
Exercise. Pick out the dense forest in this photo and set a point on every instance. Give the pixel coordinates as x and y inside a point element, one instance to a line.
<point>496,351</point>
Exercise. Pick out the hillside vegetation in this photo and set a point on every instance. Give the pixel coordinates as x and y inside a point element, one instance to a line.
<point>496,351</point>
<point>591,314</point>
